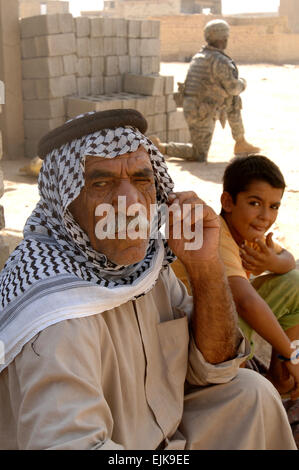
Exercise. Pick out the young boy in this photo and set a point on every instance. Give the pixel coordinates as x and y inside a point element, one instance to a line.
<point>252,190</point>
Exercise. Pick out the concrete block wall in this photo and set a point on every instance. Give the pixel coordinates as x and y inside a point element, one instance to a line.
<point>74,65</point>
<point>49,72</point>
<point>155,103</point>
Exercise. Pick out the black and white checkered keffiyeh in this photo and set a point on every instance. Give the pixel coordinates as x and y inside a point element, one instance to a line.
<point>56,254</point>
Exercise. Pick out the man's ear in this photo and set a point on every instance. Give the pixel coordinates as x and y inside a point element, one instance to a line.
<point>226,202</point>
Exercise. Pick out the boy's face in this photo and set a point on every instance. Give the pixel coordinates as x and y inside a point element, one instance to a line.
<point>254,211</point>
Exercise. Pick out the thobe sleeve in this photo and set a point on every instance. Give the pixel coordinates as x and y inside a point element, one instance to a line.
<point>62,405</point>
<point>200,372</point>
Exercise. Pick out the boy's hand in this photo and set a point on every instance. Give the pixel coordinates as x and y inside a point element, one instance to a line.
<point>294,372</point>
<point>259,261</point>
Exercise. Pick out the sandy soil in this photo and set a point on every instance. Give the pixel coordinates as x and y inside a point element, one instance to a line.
<point>270,114</point>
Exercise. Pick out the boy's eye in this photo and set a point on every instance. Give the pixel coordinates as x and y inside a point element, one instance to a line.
<point>275,207</point>
<point>254,203</point>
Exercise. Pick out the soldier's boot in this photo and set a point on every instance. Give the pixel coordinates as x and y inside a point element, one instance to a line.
<point>157,142</point>
<point>33,168</point>
<point>244,148</point>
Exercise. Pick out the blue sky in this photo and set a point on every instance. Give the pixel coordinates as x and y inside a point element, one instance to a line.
<point>229,6</point>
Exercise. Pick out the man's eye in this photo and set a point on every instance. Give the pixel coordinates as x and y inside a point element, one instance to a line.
<point>100,184</point>
<point>143,180</point>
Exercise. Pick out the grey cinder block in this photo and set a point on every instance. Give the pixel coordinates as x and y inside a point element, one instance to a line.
<point>42,67</point>
<point>97,66</point>
<point>37,128</point>
<point>150,29</point>
<point>31,146</point>
<point>111,65</point>
<point>160,122</point>
<point>83,47</point>
<point>124,64</point>
<point>39,26</point>
<point>110,46</point>
<point>176,120</point>
<point>101,27</point>
<point>47,88</point>
<point>97,47</point>
<point>97,85</point>
<point>83,86</point>
<point>168,84</point>
<point>160,104</point>
<point>44,109</point>
<point>70,64</point>
<point>149,47</point>
<point>170,103</point>
<point>82,24</point>
<point>51,45</point>
<point>112,84</point>
<point>84,67</point>
<point>135,64</point>
<point>134,47</point>
<point>144,84</point>
<point>134,28</point>
<point>120,27</point>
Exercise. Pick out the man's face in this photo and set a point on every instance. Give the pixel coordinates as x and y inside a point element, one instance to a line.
<point>130,176</point>
<point>254,212</point>
<point>220,43</point>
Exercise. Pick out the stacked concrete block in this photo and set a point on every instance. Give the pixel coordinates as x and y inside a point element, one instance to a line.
<point>76,65</point>
<point>108,48</point>
<point>49,68</point>
<point>177,127</point>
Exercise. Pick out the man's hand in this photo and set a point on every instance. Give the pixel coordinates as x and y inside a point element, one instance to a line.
<point>208,222</point>
<point>214,319</point>
<point>259,261</point>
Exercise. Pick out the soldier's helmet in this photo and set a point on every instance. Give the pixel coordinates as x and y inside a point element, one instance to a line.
<point>215,30</point>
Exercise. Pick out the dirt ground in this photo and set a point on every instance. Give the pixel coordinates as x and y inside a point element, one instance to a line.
<point>270,115</point>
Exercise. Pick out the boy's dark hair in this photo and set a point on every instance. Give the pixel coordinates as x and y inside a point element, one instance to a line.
<point>241,171</point>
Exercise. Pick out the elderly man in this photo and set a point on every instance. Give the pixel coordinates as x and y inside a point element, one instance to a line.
<point>104,349</point>
<point>212,90</point>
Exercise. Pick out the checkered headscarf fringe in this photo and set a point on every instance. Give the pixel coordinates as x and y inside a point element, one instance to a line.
<point>54,244</point>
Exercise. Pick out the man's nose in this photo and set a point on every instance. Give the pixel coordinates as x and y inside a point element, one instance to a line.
<point>127,190</point>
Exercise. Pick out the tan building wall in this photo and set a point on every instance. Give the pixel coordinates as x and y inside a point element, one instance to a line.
<point>252,40</point>
<point>290,8</point>
<point>140,9</point>
<point>29,8</point>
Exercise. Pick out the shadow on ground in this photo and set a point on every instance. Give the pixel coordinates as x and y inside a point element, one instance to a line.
<point>11,172</point>
<point>207,171</point>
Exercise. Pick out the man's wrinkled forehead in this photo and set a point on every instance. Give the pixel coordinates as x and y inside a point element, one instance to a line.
<point>133,161</point>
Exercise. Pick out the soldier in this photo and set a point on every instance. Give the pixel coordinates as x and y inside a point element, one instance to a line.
<point>212,90</point>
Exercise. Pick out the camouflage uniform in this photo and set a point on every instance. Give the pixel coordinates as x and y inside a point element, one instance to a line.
<point>212,91</point>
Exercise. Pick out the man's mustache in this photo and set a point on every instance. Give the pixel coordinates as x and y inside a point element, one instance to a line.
<point>114,225</point>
